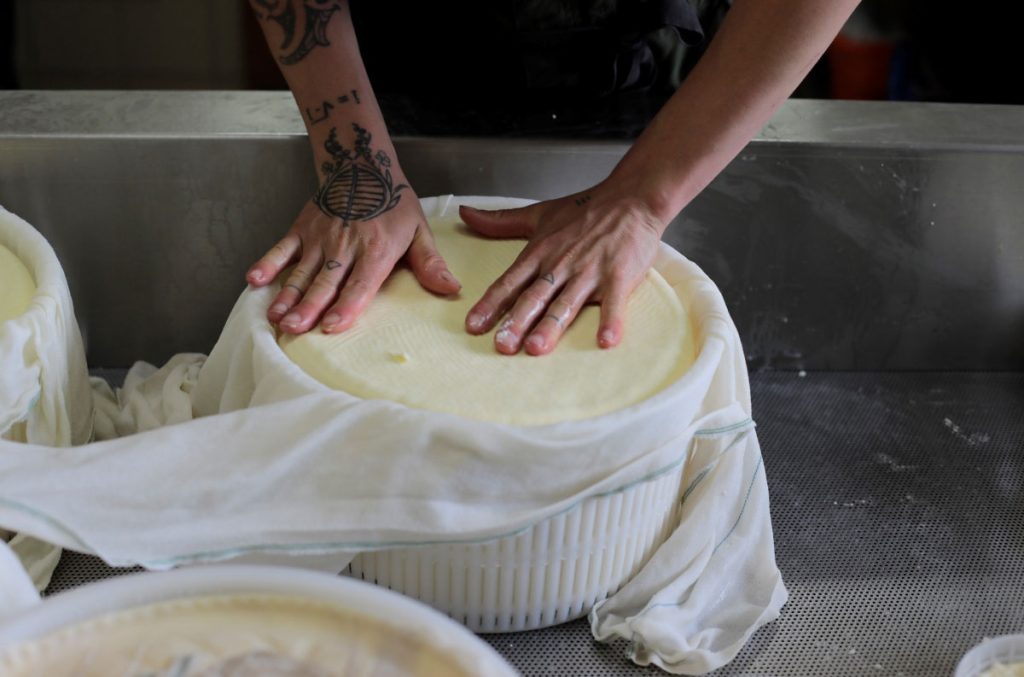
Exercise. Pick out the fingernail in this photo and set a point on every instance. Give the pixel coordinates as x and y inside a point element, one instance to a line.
<point>450,279</point>
<point>291,320</point>
<point>607,337</point>
<point>504,337</point>
<point>279,309</point>
<point>256,276</point>
<point>536,342</point>
<point>330,320</point>
<point>475,321</point>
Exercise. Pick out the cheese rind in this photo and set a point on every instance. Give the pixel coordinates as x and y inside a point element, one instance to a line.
<point>411,347</point>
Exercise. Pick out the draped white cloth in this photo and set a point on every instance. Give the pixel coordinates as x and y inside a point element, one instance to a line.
<point>44,383</point>
<point>245,453</point>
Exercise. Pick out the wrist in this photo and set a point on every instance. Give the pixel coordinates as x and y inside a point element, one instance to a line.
<point>656,196</point>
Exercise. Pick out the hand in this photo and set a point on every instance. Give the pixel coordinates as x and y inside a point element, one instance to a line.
<point>593,246</point>
<point>341,265</point>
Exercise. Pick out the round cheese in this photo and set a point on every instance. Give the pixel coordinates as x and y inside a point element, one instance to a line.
<point>17,285</point>
<point>411,347</point>
<point>232,635</point>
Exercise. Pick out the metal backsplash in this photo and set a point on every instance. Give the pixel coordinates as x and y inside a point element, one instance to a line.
<point>847,236</point>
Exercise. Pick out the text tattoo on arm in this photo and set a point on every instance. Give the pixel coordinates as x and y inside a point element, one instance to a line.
<point>320,113</point>
<point>357,184</point>
<point>304,23</point>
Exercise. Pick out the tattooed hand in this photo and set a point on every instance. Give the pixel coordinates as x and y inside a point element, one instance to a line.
<point>593,246</point>
<point>346,240</point>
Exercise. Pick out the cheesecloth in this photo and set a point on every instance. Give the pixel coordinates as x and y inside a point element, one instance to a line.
<point>245,453</point>
<point>44,384</point>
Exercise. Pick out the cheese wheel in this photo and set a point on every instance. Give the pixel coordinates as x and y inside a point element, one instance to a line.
<point>236,635</point>
<point>411,347</point>
<point>16,284</point>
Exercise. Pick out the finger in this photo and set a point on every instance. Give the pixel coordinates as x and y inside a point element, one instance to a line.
<point>428,266</point>
<point>500,296</point>
<point>367,276</point>
<point>320,294</point>
<point>527,310</point>
<point>500,222</point>
<point>559,315</point>
<point>294,289</point>
<point>613,313</point>
<point>266,270</point>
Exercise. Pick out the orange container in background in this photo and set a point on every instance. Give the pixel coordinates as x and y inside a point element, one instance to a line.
<point>859,69</point>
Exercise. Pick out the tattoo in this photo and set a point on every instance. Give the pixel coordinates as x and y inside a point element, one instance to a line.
<point>549,278</point>
<point>304,23</point>
<point>295,287</point>
<point>556,318</point>
<point>332,264</point>
<point>265,4</point>
<point>582,200</point>
<point>357,186</point>
<point>320,113</point>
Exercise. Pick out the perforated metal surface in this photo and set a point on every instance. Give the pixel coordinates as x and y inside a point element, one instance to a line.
<point>898,509</point>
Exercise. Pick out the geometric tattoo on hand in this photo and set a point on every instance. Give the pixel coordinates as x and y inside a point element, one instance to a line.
<point>304,23</point>
<point>357,185</point>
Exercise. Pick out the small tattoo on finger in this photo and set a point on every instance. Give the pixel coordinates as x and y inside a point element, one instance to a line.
<point>295,287</point>
<point>556,318</point>
<point>582,200</point>
<point>549,278</point>
<point>332,264</point>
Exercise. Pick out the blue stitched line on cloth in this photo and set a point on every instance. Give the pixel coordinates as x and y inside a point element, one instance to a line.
<point>341,546</point>
<point>704,473</point>
<point>693,485</point>
<point>743,509</point>
<point>46,518</point>
<point>725,429</point>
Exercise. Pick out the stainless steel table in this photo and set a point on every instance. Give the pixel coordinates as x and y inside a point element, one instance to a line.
<point>898,509</point>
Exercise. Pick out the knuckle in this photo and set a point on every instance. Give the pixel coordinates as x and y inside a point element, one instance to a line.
<point>288,292</point>
<point>535,295</point>
<point>320,287</point>
<point>433,260</point>
<point>616,278</point>
<point>375,246</point>
<point>504,285</point>
<point>358,286</point>
<point>562,306</point>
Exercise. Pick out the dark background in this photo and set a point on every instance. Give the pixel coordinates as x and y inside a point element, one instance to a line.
<point>506,67</point>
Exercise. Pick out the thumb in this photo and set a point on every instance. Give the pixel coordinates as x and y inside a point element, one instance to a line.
<point>428,265</point>
<point>499,223</point>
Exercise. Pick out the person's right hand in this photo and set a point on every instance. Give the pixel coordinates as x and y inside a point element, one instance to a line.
<point>341,265</point>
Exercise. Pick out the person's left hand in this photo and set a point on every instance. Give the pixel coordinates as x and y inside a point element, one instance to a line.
<point>594,246</point>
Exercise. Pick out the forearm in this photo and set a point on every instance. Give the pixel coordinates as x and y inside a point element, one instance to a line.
<point>762,51</point>
<point>318,54</point>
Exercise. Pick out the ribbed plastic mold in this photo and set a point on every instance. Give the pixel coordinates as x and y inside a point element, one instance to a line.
<point>553,572</point>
